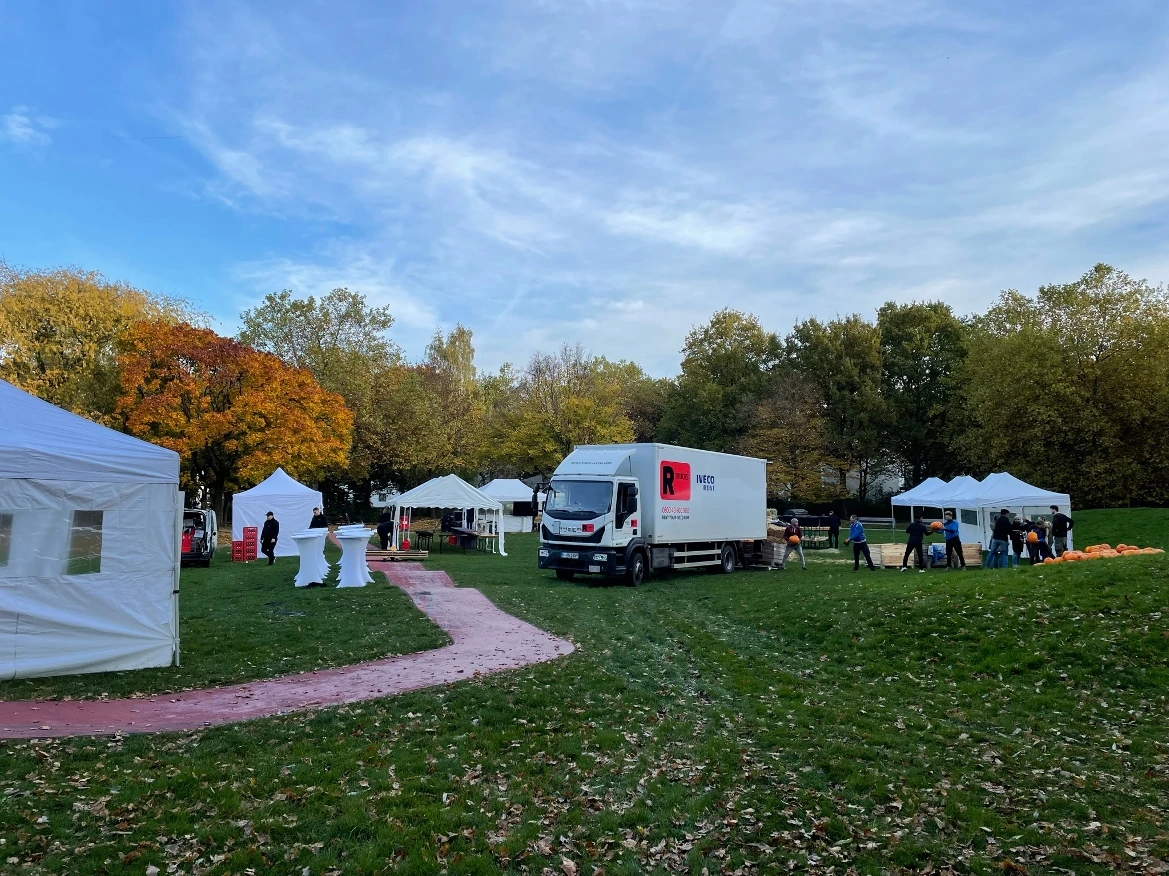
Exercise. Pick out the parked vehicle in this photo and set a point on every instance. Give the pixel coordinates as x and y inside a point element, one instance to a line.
<point>627,509</point>
<point>200,537</point>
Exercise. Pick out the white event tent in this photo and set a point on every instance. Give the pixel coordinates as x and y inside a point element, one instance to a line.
<point>90,523</point>
<point>977,503</point>
<point>290,501</point>
<point>509,491</point>
<point>449,492</point>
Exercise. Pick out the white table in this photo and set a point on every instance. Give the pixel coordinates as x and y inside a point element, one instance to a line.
<point>314,568</point>
<point>363,530</point>
<point>354,570</point>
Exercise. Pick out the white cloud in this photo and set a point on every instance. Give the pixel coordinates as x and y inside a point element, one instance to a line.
<point>613,172</point>
<point>21,129</point>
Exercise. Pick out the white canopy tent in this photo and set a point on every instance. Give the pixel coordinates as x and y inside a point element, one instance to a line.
<point>90,523</point>
<point>448,492</point>
<point>290,501</point>
<point>976,503</point>
<point>509,491</point>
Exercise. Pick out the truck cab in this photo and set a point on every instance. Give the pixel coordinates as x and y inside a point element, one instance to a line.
<point>592,524</point>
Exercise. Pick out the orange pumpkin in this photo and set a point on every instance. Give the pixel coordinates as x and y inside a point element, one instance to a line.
<point>1032,538</point>
<point>936,526</point>
<point>793,539</point>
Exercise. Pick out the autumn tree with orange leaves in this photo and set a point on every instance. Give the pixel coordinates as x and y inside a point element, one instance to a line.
<point>233,414</point>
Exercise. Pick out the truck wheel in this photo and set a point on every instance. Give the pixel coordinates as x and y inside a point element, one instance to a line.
<point>635,574</point>
<point>565,574</point>
<point>727,560</point>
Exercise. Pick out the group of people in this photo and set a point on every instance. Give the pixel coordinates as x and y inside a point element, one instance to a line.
<point>1011,535</point>
<point>270,534</point>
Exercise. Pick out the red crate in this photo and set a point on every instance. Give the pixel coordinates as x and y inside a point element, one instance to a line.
<point>250,550</point>
<point>252,534</point>
<point>237,552</point>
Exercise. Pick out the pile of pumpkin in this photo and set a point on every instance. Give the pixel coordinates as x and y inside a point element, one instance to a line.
<point>1101,552</point>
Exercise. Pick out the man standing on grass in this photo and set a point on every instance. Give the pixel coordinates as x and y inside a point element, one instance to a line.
<point>793,529</point>
<point>1000,542</point>
<point>856,537</point>
<point>953,542</point>
<point>268,536</point>
<point>319,521</point>
<point>916,532</point>
<point>834,530</point>
<point>1061,525</point>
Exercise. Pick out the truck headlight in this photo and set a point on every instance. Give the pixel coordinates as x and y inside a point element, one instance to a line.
<point>544,552</point>
<point>599,558</point>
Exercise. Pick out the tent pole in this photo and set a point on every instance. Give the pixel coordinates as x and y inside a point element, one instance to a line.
<point>394,527</point>
<point>499,529</point>
<point>181,499</point>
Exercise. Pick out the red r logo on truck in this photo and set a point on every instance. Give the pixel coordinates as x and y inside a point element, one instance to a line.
<point>675,481</point>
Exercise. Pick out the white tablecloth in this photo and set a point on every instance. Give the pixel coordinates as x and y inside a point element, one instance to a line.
<point>314,568</point>
<point>354,570</point>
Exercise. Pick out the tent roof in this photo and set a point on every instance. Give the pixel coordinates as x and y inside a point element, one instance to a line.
<point>508,490</point>
<point>41,441</point>
<point>925,488</point>
<point>1001,490</point>
<point>449,491</point>
<point>279,483</point>
<point>1006,490</point>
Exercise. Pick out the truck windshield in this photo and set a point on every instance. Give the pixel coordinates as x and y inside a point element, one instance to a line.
<point>578,500</point>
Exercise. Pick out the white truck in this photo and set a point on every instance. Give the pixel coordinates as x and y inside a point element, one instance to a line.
<point>624,509</point>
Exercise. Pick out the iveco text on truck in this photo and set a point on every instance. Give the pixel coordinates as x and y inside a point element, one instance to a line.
<point>624,509</point>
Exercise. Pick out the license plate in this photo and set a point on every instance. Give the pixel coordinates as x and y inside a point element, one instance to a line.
<point>570,556</point>
<point>594,568</point>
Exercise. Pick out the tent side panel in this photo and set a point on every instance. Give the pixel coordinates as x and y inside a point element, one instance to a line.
<point>294,512</point>
<point>87,586</point>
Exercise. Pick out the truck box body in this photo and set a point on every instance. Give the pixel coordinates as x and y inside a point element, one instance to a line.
<point>686,495</point>
<point>691,505</point>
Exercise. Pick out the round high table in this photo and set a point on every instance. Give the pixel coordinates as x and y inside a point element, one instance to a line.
<point>314,568</point>
<point>354,570</point>
<point>363,530</point>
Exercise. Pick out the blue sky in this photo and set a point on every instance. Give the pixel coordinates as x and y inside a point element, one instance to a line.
<point>602,172</point>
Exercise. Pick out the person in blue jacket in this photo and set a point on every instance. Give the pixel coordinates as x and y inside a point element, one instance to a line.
<point>953,542</point>
<point>856,537</point>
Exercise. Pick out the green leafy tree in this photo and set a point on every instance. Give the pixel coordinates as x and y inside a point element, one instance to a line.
<point>642,398</point>
<point>558,402</point>
<point>728,366</point>
<point>923,347</point>
<point>789,429</point>
<point>1070,388</point>
<point>450,376</point>
<point>842,359</point>
<point>342,341</point>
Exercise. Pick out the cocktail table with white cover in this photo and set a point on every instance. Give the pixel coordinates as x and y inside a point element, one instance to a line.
<point>314,568</point>
<point>367,532</point>
<point>354,570</point>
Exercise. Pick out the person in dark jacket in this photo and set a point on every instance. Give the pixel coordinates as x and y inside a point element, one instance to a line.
<point>1017,531</point>
<point>917,533</point>
<point>1061,525</point>
<point>953,542</point>
<point>833,530</point>
<point>319,521</point>
<point>269,535</point>
<point>1000,542</point>
<point>385,528</point>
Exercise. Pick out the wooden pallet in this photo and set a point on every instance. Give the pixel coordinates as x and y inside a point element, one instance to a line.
<point>396,556</point>
<point>889,555</point>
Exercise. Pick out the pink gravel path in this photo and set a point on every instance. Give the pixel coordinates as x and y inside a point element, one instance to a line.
<point>484,640</point>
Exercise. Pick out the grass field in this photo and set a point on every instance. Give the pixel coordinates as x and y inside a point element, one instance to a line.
<point>987,722</point>
<point>243,621</point>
